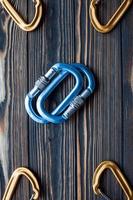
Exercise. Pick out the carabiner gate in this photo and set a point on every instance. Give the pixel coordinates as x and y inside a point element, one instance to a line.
<point>14,181</point>
<point>118,175</point>
<point>114,19</point>
<point>19,20</point>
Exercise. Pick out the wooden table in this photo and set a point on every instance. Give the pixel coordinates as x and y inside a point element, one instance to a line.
<point>64,157</point>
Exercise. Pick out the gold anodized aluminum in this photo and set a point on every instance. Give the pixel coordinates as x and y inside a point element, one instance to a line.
<point>14,181</point>
<point>19,20</point>
<point>118,175</point>
<point>114,19</point>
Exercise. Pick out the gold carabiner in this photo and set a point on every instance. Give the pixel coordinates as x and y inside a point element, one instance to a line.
<point>19,20</point>
<point>14,180</point>
<point>118,175</point>
<point>114,19</point>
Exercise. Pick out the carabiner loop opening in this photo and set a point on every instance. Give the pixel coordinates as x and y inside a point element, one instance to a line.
<point>114,19</point>
<point>14,181</point>
<point>118,175</point>
<point>19,20</point>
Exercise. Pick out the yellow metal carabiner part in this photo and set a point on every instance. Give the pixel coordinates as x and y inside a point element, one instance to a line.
<point>114,19</point>
<point>19,20</point>
<point>118,175</point>
<point>14,181</point>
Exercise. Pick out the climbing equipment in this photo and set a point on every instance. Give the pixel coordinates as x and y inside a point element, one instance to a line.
<point>14,181</point>
<point>51,80</point>
<point>19,20</point>
<point>118,175</point>
<point>45,86</point>
<point>75,103</point>
<point>114,19</point>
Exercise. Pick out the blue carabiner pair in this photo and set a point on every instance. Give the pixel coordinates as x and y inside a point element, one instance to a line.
<point>35,99</point>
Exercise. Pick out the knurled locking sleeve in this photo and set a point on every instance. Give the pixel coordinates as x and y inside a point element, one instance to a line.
<point>43,81</point>
<point>76,103</point>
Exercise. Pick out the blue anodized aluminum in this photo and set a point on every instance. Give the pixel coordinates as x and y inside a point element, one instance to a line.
<point>46,84</point>
<point>76,100</point>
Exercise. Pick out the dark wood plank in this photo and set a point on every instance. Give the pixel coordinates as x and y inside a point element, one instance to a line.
<point>56,162</point>
<point>127,81</point>
<point>99,138</point>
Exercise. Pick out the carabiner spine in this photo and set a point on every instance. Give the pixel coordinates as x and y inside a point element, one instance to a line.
<point>19,20</point>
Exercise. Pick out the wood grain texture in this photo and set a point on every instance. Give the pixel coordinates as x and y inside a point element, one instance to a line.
<point>64,157</point>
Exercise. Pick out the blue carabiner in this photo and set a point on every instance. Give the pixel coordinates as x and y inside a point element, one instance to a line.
<point>49,82</point>
<point>76,102</point>
<point>64,104</point>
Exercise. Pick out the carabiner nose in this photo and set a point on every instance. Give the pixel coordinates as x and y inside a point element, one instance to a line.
<point>22,171</point>
<point>19,20</point>
<point>118,175</point>
<point>114,19</point>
